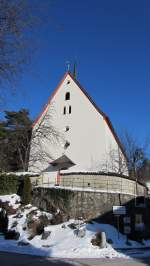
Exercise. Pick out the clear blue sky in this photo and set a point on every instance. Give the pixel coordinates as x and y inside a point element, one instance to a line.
<point>110,41</point>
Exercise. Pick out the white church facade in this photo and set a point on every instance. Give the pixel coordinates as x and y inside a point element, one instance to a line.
<point>73,135</point>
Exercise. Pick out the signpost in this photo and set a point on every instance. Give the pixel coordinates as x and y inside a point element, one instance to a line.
<point>127,229</point>
<point>117,211</point>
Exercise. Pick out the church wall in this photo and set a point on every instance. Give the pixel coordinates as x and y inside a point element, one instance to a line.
<point>88,135</point>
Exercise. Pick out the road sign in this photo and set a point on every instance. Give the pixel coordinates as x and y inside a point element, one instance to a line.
<point>119,210</point>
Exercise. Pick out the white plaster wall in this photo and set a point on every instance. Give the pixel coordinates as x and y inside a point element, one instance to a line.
<point>89,136</point>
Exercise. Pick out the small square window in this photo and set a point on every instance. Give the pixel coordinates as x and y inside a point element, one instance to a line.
<point>67,144</point>
<point>66,128</point>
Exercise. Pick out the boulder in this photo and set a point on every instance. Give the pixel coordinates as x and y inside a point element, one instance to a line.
<point>9,209</point>
<point>80,232</point>
<point>45,235</point>
<point>36,226</point>
<point>73,226</point>
<point>99,240</point>
<point>63,226</point>
<point>58,218</point>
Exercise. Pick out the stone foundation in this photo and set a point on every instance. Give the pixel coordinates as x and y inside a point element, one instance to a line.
<point>77,203</point>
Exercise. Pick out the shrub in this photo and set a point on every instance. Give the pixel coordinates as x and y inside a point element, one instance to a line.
<point>12,234</point>
<point>27,189</point>
<point>3,221</point>
<point>9,184</point>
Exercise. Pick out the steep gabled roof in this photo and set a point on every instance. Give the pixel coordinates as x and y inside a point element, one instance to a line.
<point>105,117</point>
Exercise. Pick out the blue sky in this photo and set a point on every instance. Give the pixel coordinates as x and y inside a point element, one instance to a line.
<point>110,41</point>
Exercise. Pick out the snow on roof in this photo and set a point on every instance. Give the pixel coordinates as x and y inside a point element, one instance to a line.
<point>82,169</point>
<point>23,173</point>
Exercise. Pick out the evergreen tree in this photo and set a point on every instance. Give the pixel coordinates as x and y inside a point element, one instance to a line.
<point>27,190</point>
<point>15,135</point>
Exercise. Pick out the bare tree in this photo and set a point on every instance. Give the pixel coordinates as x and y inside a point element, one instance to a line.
<point>44,135</point>
<point>15,18</point>
<point>135,153</point>
<point>115,162</point>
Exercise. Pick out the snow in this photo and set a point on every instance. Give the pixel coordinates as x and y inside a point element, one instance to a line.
<point>23,173</point>
<point>13,199</point>
<point>63,242</point>
<point>148,185</point>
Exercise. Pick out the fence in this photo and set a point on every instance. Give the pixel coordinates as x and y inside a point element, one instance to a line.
<point>105,183</point>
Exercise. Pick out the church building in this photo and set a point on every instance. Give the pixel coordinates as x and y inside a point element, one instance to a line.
<point>73,135</point>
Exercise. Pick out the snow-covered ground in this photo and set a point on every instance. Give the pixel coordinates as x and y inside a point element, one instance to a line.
<point>14,200</point>
<point>63,242</point>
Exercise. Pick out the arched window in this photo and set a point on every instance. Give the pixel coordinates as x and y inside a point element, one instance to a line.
<point>67,97</point>
<point>64,110</point>
<point>69,109</point>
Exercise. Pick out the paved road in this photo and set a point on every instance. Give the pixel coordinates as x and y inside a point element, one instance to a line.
<point>115,262</point>
<point>12,259</point>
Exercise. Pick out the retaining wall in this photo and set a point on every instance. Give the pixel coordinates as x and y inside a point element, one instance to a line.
<point>77,203</point>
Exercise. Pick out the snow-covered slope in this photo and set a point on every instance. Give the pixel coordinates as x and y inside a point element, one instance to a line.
<point>62,241</point>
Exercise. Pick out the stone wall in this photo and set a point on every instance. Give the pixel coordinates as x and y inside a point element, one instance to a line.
<point>103,182</point>
<point>77,203</point>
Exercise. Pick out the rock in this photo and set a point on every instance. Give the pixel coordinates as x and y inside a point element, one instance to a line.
<point>14,224</point>
<point>73,226</point>
<point>58,218</point>
<point>63,226</point>
<point>9,209</point>
<point>27,207</point>
<point>99,240</point>
<point>30,237</point>
<point>12,234</point>
<point>46,246</point>
<point>45,235</point>
<point>80,232</point>
<point>36,226</point>
<point>18,216</point>
<point>109,241</point>
<point>31,214</point>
